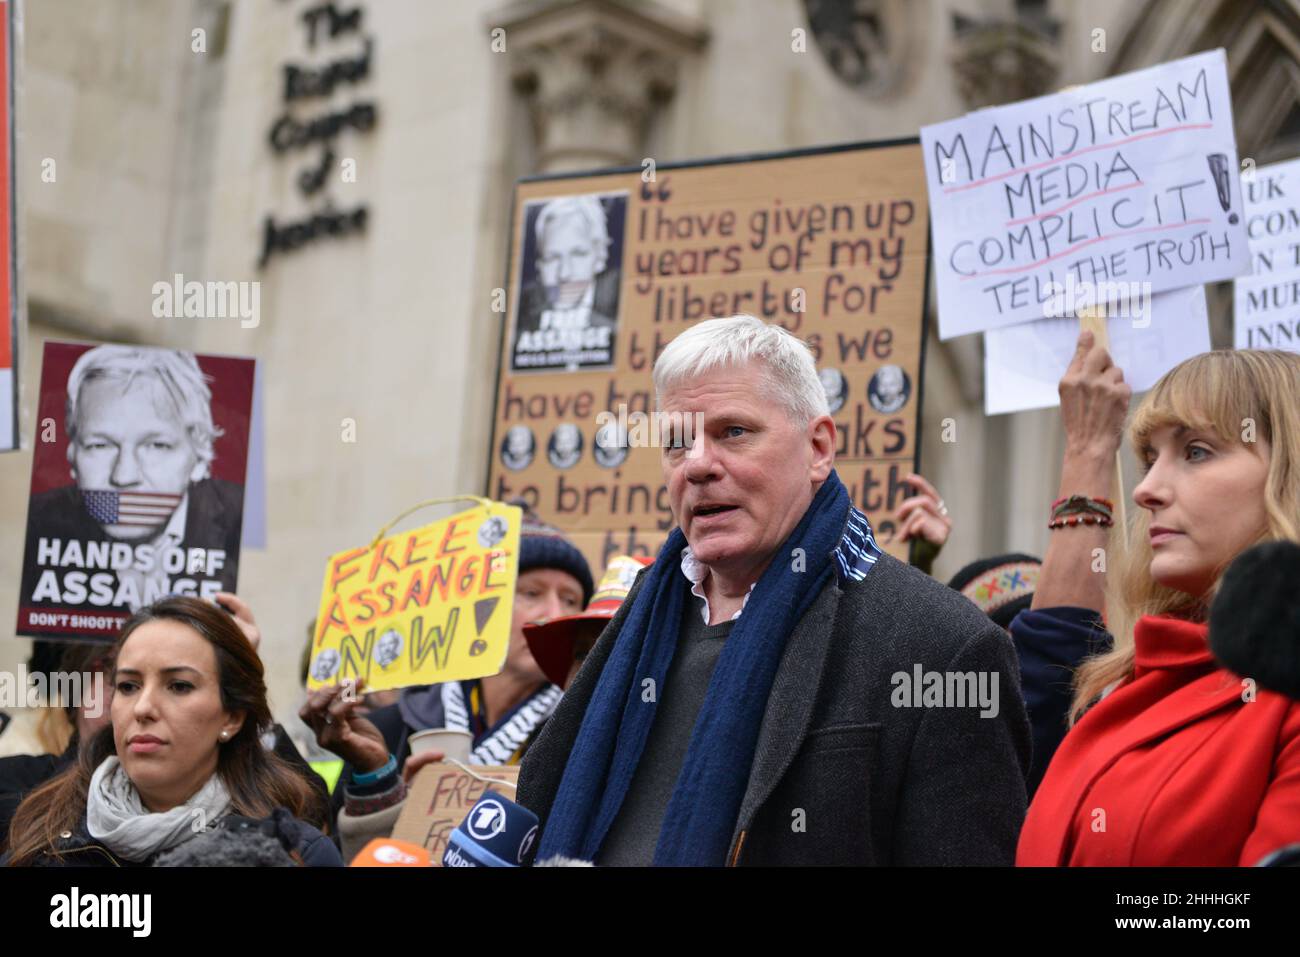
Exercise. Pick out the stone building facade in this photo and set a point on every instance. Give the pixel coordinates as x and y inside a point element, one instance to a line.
<point>165,163</point>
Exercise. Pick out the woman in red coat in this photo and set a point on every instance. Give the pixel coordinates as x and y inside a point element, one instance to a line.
<point>1171,760</point>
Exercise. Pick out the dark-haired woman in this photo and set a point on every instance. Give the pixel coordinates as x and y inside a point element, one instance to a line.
<point>181,756</point>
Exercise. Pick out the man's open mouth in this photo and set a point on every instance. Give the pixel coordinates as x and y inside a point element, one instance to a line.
<point>712,510</point>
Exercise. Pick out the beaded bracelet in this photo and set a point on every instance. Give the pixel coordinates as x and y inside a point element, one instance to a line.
<point>1084,518</point>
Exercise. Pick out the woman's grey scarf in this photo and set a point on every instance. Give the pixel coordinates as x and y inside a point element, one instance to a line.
<point>117,818</point>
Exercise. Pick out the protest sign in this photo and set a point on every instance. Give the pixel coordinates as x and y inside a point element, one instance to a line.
<point>254,534</point>
<point>1023,364</point>
<point>1129,181</point>
<point>1266,304</point>
<point>420,607</point>
<point>137,484</point>
<point>440,797</point>
<point>10,302</point>
<point>831,243</point>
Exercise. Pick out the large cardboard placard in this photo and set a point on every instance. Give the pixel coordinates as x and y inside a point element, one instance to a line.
<point>420,607</point>
<point>142,496</point>
<point>1266,304</point>
<point>607,268</point>
<point>440,797</point>
<point>1132,180</point>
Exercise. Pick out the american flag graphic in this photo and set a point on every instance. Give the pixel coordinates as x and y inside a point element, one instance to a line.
<point>130,508</point>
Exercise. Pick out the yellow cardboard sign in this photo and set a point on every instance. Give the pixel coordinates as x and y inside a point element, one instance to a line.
<point>420,607</point>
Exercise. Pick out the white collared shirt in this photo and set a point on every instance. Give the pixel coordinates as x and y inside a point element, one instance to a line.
<point>695,572</point>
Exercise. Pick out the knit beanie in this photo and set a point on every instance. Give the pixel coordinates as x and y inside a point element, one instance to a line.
<point>545,546</point>
<point>1002,586</point>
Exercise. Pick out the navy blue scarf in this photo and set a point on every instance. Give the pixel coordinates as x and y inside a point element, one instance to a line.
<point>705,802</point>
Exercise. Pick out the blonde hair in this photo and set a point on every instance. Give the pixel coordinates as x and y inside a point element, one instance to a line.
<point>1232,394</point>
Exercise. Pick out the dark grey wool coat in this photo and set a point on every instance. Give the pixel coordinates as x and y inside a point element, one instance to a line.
<point>877,784</point>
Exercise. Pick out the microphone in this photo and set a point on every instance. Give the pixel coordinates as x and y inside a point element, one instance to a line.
<point>496,832</point>
<point>390,852</point>
<point>1288,856</point>
<point>1255,617</point>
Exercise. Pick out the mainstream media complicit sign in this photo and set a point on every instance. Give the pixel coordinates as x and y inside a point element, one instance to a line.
<point>1131,179</point>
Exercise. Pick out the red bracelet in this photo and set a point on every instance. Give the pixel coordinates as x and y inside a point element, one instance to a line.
<point>1086,518</point>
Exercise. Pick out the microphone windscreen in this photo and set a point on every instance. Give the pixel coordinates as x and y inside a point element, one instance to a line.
<point>559,860</point>
<point>227,848</point>
<point>496,832</point>
<point>1255,617</point>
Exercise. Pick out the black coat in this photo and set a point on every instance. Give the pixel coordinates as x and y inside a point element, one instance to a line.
<point>20,774</point>
<point>876,784</point>
<point>213,520</point>
<point>76,848</point>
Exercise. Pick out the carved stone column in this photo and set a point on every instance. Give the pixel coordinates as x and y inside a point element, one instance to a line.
<point>593,74</point>
<point>999,61</point>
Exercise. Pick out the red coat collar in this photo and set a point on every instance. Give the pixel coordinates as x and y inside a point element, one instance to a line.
<point>1163,642</point>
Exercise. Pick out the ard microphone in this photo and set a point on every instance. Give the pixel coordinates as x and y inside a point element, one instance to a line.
<point>496,832</point>
<point>1255,618</point>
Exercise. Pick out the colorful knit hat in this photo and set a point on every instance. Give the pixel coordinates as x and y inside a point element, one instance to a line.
<point>1001,587</point>
<point>545,546</point>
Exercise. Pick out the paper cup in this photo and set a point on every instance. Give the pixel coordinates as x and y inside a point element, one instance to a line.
<point>452,743</point>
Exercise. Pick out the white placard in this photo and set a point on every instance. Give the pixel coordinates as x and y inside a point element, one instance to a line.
<point>1129,180</point>
<point>1271,195</point>
<point>1266,312</point>
<point>1266,305</point>
<point>1023,364</point>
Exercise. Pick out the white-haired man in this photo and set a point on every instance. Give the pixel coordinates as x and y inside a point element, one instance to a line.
<point>567,311</point>
<point>140,447</point>
<point>746,705</point>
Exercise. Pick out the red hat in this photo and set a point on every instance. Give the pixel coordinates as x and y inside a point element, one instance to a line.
<point>551,642</point>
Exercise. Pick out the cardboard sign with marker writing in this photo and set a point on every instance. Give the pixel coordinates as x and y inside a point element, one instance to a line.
<point>608,268</point>
<point>420,607</point>
<point>440,797</point>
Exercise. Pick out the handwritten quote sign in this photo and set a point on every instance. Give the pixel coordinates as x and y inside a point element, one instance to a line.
<point>1129,181</point>
<point>1266,304</point>
<point>420,607</point>
<point>607,269</point>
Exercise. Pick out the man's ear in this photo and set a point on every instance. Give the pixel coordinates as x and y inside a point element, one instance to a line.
<point>200,471</point>
<point>821,437</point>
